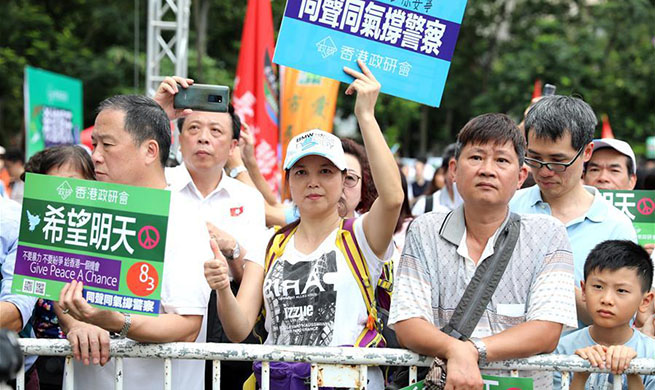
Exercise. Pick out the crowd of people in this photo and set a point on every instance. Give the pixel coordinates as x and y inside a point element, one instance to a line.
<point>480,267</point>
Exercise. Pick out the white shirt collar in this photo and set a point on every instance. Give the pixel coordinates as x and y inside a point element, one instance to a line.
<point>179,178</point>
<point>463,250</point>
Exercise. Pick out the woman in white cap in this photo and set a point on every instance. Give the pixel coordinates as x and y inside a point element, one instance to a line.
<point>310,295</point>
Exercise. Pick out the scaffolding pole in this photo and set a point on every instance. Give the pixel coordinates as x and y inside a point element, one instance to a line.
<point>168,40</point>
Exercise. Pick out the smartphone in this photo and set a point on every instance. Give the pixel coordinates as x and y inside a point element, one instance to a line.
<point>549,89</point>
<point>203,97</point>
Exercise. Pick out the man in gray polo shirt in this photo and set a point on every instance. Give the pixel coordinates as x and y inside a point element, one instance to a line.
<point>534,299</point>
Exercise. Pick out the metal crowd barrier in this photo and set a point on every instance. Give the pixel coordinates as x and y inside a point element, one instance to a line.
<point>330,366</point>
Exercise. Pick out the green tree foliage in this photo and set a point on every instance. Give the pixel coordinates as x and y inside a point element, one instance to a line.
<point>87,39</point>
<point>601,50</point>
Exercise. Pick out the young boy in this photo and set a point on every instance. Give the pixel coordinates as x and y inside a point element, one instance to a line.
<point>617,281</point>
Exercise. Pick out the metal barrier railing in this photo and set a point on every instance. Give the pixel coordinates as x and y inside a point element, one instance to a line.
<point>331,366</point>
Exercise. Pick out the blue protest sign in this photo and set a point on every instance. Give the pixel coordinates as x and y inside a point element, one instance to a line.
<point>407,44</point>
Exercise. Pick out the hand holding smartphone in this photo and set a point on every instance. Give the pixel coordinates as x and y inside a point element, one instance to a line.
<point>203,97</point>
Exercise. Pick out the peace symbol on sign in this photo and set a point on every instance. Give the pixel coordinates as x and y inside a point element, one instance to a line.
<point>148,237</point>
<point>645,206</point>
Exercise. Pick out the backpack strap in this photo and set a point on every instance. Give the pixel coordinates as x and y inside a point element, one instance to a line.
<point>371,336</point>
<point>385,287</point>
<point>346,241</point>
<point>277,248</point>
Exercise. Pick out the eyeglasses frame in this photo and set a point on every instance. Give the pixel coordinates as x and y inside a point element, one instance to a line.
<point>549,165</point>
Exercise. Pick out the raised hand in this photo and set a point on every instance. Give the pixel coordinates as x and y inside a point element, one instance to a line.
<point>247,145</point>
<point>165,96</point>
<point>216,269</point>
<point>367,88</point>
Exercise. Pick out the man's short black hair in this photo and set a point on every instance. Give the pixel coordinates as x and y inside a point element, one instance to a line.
<point>448,154</point>
<point>236,122</point>
<point>144,120</point>
<point>14,155</point>
<point>552,116</point>
<point>496,128</point>
<point>629,164</point>
<point>616,254</point>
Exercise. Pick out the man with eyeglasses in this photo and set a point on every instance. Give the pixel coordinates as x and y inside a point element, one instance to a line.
<point>559,132</point>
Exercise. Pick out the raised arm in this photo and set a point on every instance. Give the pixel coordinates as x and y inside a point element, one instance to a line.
<point>380,222</point>
<point>245,156</point>
<point>165,96</point>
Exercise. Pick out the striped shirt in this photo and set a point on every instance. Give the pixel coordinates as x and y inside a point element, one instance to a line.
<point>435,269</point>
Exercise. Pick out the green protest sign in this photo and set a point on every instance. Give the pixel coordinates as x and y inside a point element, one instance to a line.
<point>111,237</point>
<point>650,147</point>
<point>53,110</point>
<point>492,383</point>
<point>639,206</point>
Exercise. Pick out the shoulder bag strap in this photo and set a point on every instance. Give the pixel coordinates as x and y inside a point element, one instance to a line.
<point>484,282</point>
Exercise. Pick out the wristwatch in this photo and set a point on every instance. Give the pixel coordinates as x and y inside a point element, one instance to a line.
<point>236,252</point>
<point>126,326</point>
<point>482,350</point>
<point>234,172</point>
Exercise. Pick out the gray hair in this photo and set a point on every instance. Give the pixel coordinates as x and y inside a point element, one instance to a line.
<point>144,120</point>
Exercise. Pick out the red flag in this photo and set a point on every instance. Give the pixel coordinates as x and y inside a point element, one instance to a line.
<point>255,96</point>
<point>85,137</point>
<point>536,92</point>
<point>606,132</point>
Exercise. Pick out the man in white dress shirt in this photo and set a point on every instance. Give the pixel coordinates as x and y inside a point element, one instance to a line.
<point>234,212</point>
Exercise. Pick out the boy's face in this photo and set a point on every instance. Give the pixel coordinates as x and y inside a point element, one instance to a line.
<point>614,296</point>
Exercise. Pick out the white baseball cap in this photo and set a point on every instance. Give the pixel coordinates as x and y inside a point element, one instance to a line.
<point>618,145</point>
<point>315,142</point>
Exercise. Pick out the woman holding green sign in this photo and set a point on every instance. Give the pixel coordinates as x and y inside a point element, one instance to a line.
<point>64,161</point>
